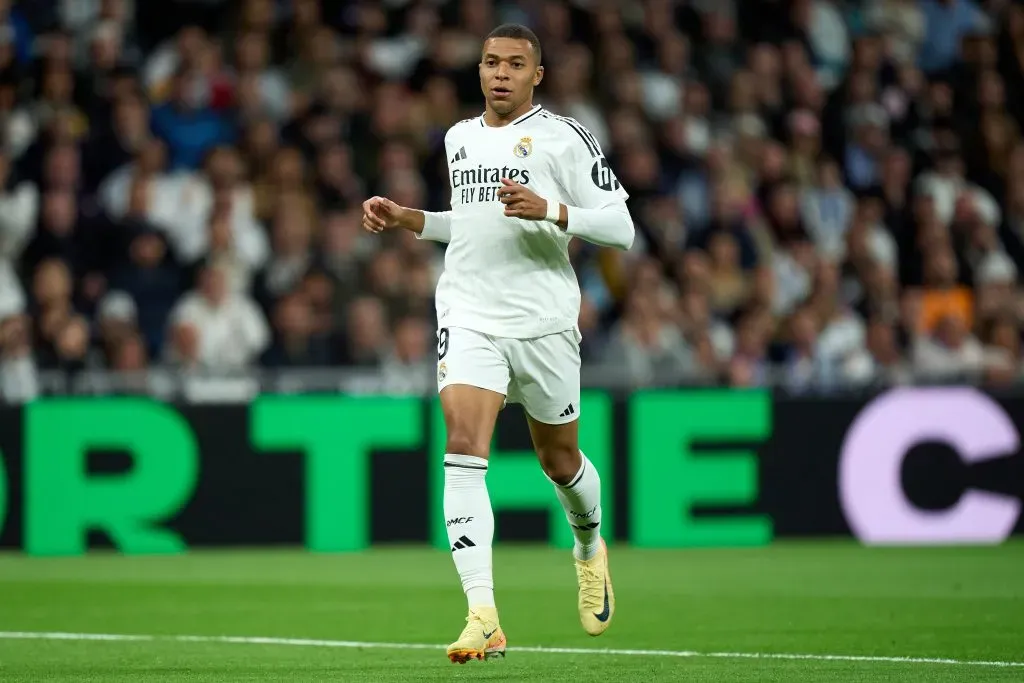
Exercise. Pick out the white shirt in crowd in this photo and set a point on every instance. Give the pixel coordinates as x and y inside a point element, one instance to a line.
<point>827,214</point>
<point>842,337</point>
<point>164,190</point>
<point>793,282</point>
<point>195,207</point>
<point>935,361</point>
<point>19,210</point>
<point>231,336</point>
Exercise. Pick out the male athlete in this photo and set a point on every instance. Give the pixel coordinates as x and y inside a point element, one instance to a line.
<point>524,182</point>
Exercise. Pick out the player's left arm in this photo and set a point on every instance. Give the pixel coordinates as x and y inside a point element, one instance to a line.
<point>598,213</point>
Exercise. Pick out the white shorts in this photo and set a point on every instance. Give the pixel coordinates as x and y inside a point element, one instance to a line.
<point>542,374</point>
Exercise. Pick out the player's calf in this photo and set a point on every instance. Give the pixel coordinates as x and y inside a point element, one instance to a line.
<point>577,482</point>
<point>580,496</point>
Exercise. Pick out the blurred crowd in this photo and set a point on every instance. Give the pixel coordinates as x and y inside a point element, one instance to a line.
<point>827,194</point>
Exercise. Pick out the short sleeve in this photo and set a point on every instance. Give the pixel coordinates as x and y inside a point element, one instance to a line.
<point>590,177</point>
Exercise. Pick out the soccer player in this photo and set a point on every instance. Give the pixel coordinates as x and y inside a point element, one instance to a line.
<point>524,182</point>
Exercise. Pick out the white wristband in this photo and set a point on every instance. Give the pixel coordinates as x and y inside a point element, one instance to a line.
<point>554,211</point>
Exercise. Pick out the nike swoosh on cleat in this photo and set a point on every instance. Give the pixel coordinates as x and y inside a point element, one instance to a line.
<point>603,616</point>
<point>488,635</point>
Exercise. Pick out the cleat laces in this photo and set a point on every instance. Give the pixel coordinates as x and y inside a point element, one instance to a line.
<point>591,583</point>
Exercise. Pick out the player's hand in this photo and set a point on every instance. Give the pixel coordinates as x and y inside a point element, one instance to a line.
<point>521,202</point>
<point>380,213</point>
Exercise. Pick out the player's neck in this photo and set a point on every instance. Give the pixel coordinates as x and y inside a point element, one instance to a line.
<point>495,120</point>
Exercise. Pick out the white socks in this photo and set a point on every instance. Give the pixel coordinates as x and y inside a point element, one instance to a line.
<point>581,500</point>
<point>470,523</point>
<point>470,520</point>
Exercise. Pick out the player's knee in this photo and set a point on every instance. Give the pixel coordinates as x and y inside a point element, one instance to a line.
<point>560,463</point>
<point>464,442</point>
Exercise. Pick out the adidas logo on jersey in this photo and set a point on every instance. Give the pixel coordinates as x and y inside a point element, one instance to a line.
<point>459,156</point>
<point>568,411</point>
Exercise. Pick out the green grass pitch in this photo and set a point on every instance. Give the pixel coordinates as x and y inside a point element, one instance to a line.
<point>701,609</point>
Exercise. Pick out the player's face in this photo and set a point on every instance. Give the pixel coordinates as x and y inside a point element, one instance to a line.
<point>508,73</point>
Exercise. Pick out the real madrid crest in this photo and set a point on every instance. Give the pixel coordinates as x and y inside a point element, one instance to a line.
<point>442,371</point>
<point>523,148</point>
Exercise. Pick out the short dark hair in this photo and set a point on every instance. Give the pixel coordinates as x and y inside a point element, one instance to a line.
<point>518,32</point>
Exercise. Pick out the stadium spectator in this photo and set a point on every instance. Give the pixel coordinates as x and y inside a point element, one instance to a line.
<point>151,280</point>
<point>189,121</point>
<point>19,381</point>
<point>296,342</point>
<point>409,367</point>
<point>215,328</point>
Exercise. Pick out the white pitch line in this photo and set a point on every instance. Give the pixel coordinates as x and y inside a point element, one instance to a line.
<point>357,644</point>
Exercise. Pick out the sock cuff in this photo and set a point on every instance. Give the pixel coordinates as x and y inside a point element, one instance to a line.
<point>585,465</point>
<point>467,462</point>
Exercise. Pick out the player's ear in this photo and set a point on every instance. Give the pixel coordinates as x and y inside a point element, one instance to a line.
<point>538,76</point>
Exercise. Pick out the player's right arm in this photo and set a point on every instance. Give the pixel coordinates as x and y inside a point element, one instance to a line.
<point>380,213</point>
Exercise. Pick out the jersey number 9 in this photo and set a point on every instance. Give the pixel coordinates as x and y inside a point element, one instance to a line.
<point>442,343</point>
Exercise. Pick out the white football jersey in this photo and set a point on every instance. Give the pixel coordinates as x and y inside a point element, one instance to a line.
<point>510,277</point>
